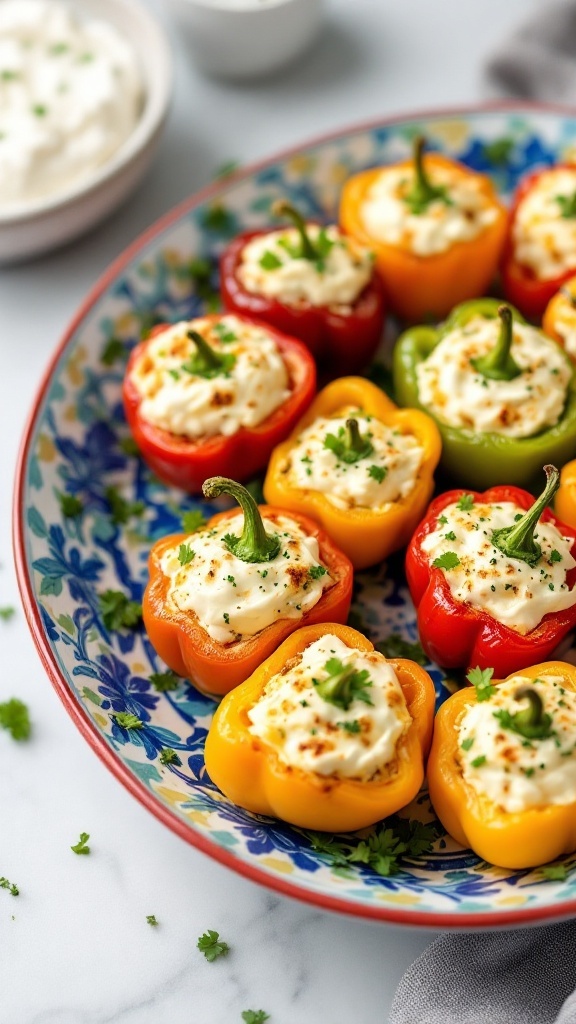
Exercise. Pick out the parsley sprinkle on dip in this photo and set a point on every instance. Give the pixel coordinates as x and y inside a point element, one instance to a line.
<point>70,95</point>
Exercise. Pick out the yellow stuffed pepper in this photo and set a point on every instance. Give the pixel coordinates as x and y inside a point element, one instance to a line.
<point>565,500</point>
<point>559,320</point>
<point>360,467</point>
<point>437,229</point>
<point>327,734</point>
<point>502,768</point>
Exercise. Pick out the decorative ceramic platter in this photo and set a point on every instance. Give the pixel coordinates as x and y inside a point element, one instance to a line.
<point>76,444</point>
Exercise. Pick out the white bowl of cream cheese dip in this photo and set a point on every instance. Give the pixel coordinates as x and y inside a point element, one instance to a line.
<point>84,91</point>
<point>244,39</point>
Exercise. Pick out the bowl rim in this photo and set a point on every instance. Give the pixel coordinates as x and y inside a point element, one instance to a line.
<point>245,6</point>
<point>434,920</point>
<point>156,103</point>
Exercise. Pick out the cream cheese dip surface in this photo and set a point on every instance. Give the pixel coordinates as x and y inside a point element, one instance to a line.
<point>70,95</point>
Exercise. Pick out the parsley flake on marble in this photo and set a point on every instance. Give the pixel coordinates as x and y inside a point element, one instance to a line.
<point>14,717</point>
<point>81,847</point>
<point>211,945</point>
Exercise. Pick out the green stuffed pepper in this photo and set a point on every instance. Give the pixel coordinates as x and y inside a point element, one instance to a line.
<point>502,393</point>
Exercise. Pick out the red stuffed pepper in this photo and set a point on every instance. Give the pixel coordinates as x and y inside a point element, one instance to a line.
<point>540,251</point>
<point>215,396</point>
<point>492,576</point>
<point>312,282</point>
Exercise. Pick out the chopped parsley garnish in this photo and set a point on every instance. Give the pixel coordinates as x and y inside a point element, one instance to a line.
<point>395,646</point>
<point>226,618</point>
<point>230,579</point>
<point>120,509</point>
<point>169,756</point>
<point>112,351</point>
<point>163,682</point>
<point>81,847</point>
<point>10,886</point>
<point>270,261</point>
<point>467,743</point>
<point>555,556</point>
<point>126,720</point>
<point>343,684</point>
<point>212,946</point>
<point>225,333</point>
<point>185,554</point>
<point>15,719</point>
<point>478,761</point>
<point>450,535</point>
<point>449,560</point>
<point>254,1016</point>
<point>199,368</point>
<point>193,520</point>
<point>377,473</point>
<point>442,520</point>
<point>555,872</point>
<point>382,850</point>
<point>7,612</point>
<point>481,681</point>
<point>352,727</point>
<point>151,919</point>
<point>567,205</point>
<point>118,611</point>
<point>465,503</point>
<point>39,110</point>
<point>70,506</point>
<point>316,571</point>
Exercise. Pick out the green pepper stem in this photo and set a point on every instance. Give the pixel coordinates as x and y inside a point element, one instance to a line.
<point>355,442</point>
<point>254,544</point>
<point>337,689</point>
<point>518,541</point>
<point>533,722</point>
<point>498,364</point>
<point>282,208</point>
<point>423,183</point>
<point>205,354</point>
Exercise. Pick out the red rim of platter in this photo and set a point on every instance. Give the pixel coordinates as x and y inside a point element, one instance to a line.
<point>420,919</point>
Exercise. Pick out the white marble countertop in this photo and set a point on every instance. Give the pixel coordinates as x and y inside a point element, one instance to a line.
<point>75,947</point>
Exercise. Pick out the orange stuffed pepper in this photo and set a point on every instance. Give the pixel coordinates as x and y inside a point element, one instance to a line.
<point>327,734</point>
<point>220,600</point>
<point>559,320</point>
<point>436,227</point>
<point>565,500</point>
<point>360,466</point>
<point>502,768</point>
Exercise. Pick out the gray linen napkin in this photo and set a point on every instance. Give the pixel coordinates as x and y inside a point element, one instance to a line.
<point>538,62</point>
<point>525,976</point>
<point>511,977</point>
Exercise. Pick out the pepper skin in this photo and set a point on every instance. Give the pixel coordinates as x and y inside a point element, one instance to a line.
<point>420,287</point>
<point>565,501</point>
<point>457,635</point>
<point>189,650</point>
<point>561,309</point>
<point>523,839</point>
<point>482,459</point>
<point>250,773</point>
<point>365,535</point>
<point>182,462</point>
<point>530,294</point>
<point>340,341</point>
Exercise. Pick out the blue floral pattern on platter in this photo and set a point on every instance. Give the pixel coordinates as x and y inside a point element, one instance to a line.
<point>77,446</point>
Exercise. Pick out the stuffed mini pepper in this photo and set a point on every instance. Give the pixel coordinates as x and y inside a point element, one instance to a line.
<point>312,282</point>
<point>437,229</point>
<point>502,769</point>
<point>220,600</point>
<point>493,578</point>
<point>215,395</point>
<point>360,466</point>
<point>540,251</point>
<point>502,393</point>
<point>327,734</point>
<point>559,320</point>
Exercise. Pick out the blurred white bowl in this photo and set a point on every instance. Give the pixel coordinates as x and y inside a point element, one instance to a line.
<point>50,222</point>
<point>247,38</point>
